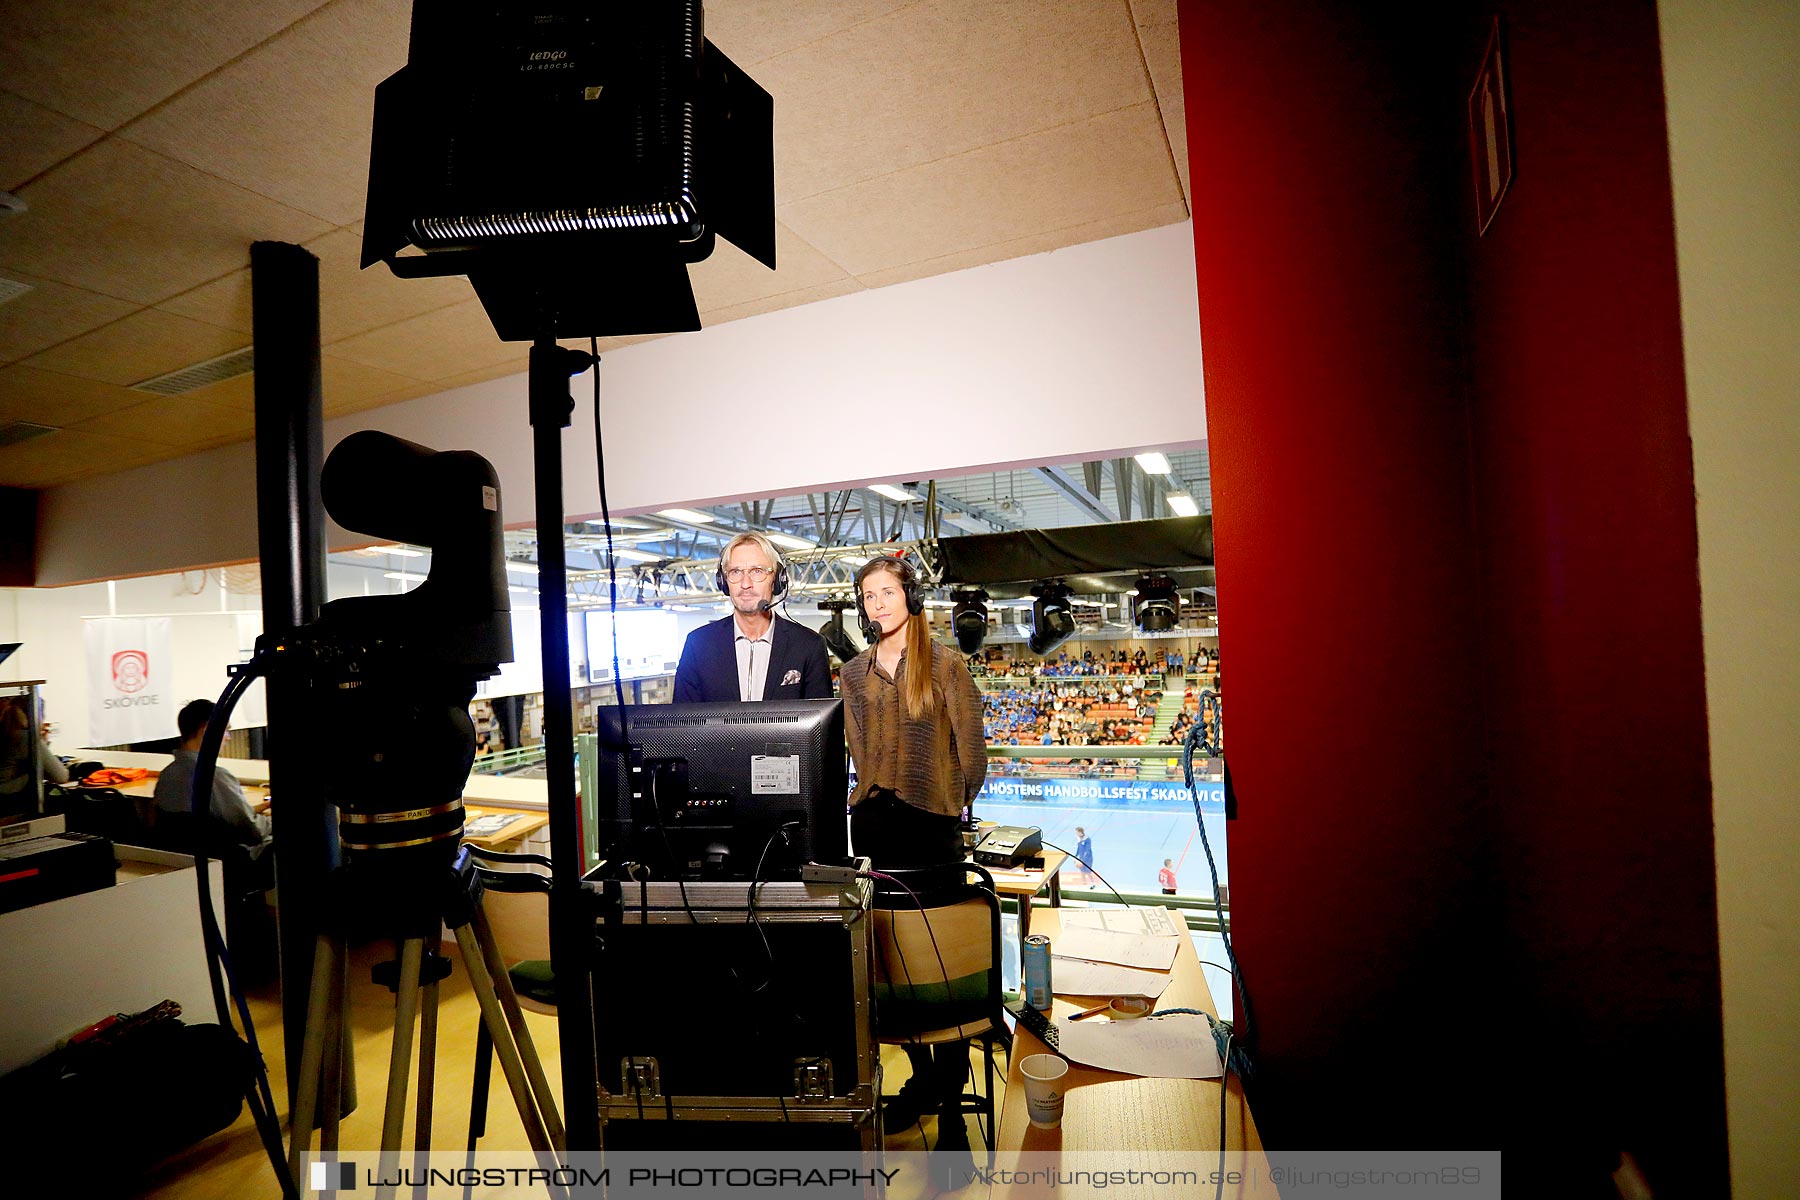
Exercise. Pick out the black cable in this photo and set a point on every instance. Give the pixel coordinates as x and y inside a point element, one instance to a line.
<point>1193,741</point>
<point>943,968</point>
<point>1095,874</point>
<point>261,1099</point>
<point>612,568</point>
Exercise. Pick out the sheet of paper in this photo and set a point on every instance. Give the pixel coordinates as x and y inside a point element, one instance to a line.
<point>1157,922</point>
<point>1126,949</point>
<point>1079,977</point>
<point>1179,1046</point>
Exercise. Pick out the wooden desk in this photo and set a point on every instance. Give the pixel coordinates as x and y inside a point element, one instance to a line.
<point>1023,885</point>
<point>1107,1111</point>
<point>526,824</point>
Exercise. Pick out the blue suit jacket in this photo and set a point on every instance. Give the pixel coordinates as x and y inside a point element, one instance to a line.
<point>708,668</point>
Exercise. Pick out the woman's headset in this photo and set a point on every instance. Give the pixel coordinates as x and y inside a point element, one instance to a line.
<point>768,548</point>
<point>910,584</point>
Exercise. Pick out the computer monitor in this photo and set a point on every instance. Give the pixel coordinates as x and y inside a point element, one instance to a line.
<point>721,791</point>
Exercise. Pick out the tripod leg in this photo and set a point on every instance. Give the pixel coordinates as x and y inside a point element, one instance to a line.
<point>515,1018</point>
<point>320,1024</point>
<point>478,1099</point>
<point>406,1013</point>
<point>339,1065</point>
<point>483,985</point>
<point>428,1026</point>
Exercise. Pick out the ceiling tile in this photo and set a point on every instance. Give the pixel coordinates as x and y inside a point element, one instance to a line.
<point>344,385</point>
<point>224,302</point>
<point>351,300</point>
<point>310,151</point>
<point>36,139</point>
<point>762,304</point>
<point>121,220</point>
<point>1053,180</point>
<point>69,455</point>
<point>341,403</point>
<point>435,346</point>
<point>1037,243</point>
<point>1160,36</point>
<point>142,346</point>
<point>49,398</point>
<point>748,31</point>
<point>178,421</point>
<point>732,277</point>
<point>941,78</point>
<point>105,63</point>
<point>50,313</point>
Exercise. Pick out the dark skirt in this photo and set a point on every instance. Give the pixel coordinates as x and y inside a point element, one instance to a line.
<point>893,833</point>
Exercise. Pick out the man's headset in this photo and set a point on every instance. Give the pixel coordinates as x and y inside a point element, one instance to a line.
<point>909,582</point>
<point>768,548</point>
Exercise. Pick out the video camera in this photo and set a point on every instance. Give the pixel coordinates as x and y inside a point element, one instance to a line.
<point>390,678</point>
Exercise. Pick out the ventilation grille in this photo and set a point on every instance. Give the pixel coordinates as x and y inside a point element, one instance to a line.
<point>14,432</point>
<point>192,379</point>
<point>12,289</point>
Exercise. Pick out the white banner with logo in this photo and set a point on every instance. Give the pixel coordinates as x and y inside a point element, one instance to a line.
<point>131,680</point>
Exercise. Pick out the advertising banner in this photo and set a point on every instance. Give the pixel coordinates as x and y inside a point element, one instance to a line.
<point>1107,792</point>
<point>131,679</point>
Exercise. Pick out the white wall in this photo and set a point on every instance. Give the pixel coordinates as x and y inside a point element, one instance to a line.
<point>1732,84</point>
<point>50,622</point>
<point>1100,342</point>
<point>210,629</point>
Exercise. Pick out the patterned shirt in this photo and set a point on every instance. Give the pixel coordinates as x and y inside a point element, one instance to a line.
<point>935,763</point>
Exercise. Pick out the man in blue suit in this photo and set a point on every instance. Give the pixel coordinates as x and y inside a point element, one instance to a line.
<point>753,654</point>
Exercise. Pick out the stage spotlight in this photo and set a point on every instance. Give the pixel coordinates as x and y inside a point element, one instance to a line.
<point>969,619</point>
<point>1157,605</point>
<point>835,632</point>
<point>1052,620</point>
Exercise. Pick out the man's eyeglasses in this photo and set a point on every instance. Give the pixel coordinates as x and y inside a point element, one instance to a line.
<point>753,574</point>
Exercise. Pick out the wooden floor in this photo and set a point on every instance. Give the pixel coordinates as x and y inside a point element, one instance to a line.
<point>231,1164</point>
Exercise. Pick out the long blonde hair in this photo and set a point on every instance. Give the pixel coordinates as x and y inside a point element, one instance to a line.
<point>916,695</point>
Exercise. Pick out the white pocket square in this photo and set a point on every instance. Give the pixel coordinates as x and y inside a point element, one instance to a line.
<point>790,677</point>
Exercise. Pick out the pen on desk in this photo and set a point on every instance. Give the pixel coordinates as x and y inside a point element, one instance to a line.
<point>1092,1012</point>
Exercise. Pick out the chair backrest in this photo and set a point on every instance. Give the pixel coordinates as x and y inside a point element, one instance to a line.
<point>937,953</point>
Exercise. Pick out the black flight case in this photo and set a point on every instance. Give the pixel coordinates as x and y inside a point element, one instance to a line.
<point>731,1022</point>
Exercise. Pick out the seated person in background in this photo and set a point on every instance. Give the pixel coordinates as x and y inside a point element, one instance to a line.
<point>175,787</point>
<point>18,746</point>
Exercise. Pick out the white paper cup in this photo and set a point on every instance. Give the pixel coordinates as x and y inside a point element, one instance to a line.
<point>1044,1088</point>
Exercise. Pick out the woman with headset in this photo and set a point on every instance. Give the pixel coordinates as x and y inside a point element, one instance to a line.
<point>913,718</point>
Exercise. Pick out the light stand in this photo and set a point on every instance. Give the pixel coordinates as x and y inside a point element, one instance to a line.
<point>571,914</point>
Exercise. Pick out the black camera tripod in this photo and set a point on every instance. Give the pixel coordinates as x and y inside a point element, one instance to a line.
<point>411,909</point>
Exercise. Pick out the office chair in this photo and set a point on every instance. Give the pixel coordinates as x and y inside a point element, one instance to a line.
<point>516,903</point>
<point>937,966</point>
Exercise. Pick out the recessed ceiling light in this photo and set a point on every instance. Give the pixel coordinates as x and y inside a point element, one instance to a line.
<point>1154,462</point>
<point>692,516</point>
<point>403,575</point>
<point>1183,505</point>
<point>892,492</point>
<point>399,551</point>
<point>788,541</point>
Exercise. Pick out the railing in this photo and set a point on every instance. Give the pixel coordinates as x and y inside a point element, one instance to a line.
<point>502,762</point>
<point>1040,780</point>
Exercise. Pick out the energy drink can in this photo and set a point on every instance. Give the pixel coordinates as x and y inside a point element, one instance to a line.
<point>1037,972</point>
